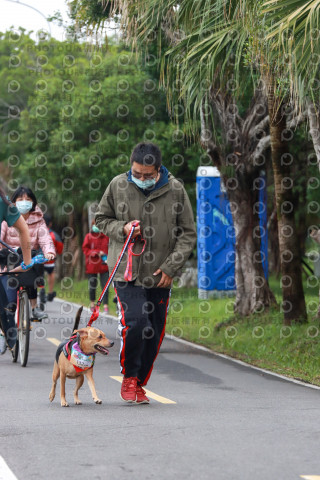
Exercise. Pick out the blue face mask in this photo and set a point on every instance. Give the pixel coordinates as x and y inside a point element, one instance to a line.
<point>95,229</point>
<point>24,206</point>
<point>144,183</point>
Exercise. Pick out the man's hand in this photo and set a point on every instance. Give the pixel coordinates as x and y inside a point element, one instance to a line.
<point>165,281</point>
<point>137,230</point>
<point>50,256</point>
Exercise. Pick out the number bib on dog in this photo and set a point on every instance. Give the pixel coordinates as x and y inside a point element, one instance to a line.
<point>75,355</point>
<point>80,359</point>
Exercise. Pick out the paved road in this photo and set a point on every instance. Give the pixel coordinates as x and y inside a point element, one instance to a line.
<point>228,422</point>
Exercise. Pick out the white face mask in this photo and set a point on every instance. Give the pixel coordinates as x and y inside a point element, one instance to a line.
<point>24,206</point>
<point>144,183</point>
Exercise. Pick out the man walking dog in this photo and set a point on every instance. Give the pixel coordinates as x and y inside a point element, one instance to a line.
<point>165,236</point>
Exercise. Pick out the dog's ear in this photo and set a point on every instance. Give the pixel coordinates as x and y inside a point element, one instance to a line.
<point>82,332</point>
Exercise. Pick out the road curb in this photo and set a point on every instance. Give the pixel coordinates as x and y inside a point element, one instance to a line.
<point>216,354</point>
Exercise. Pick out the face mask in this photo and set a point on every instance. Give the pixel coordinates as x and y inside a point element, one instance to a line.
<point>95,229</point>
<point>144,183</point>
<point>24,206</point>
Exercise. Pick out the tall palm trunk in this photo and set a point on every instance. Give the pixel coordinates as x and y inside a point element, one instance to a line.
<point>293,306</point>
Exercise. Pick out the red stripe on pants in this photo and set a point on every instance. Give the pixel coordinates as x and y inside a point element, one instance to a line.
<point>123,336</point>
<point>159,345</point>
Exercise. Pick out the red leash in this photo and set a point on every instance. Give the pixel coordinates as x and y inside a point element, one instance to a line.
<point>128,273</point>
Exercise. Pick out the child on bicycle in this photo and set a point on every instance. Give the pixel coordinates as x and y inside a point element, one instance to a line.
<point>26,203</point>
<point>11,215</point>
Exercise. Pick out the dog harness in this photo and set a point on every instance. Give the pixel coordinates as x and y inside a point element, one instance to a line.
<point>72,351</point>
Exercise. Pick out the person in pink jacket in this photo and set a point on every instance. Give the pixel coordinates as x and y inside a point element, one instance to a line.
<point>26,202</point>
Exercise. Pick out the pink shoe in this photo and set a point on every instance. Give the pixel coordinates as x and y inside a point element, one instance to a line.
<point>106,309</point>
<point>91,309</point>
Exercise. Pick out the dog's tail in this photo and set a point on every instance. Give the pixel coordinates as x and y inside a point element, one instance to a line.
<point>77,321</point>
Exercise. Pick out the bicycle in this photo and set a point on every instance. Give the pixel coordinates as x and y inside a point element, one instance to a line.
<point>23,324</point>
<point>22,314</point>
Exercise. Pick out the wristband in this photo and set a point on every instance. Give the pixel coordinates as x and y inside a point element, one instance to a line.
<point>38,259</point>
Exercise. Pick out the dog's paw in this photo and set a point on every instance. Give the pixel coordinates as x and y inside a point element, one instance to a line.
<point>51,397</point>
<point>64,404</point>
<point>98,401</point>
<point>78,402</point>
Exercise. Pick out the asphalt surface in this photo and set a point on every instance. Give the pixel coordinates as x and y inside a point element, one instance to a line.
<point>228,422</point>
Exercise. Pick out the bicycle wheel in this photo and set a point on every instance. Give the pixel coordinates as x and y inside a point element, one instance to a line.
<point>24,327</point>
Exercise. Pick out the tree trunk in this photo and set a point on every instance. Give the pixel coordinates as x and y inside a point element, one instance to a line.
<point>239,159</point>
<point>315,235</point>
<point>273,249</point>
<point>293,306</point>
<point>253,291</point>
<point>314,121</point>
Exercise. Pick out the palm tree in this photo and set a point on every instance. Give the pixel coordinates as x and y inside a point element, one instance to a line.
<point>295,33</point>
<point>244,138</point>
<point>214,47</point>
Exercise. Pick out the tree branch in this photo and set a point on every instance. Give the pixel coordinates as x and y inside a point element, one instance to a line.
<point>263,144</point>
<point>262,126</point>
<point>258,109</point>
<point>231,122</point>
<point>207,140</point>
<point>296,121</point>
<point>314,121</point>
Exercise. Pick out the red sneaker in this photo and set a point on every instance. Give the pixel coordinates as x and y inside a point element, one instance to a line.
<point>141,395</point>
<point>128,391</point>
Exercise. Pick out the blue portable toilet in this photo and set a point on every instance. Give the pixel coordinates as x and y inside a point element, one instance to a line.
<point>216,234</point>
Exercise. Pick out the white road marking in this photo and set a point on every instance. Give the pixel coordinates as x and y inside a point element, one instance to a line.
<point>55,341</point>
<point>5,472</point>
<point>311,477</point>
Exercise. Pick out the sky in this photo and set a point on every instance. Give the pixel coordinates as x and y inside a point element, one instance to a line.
<point>32,14</point>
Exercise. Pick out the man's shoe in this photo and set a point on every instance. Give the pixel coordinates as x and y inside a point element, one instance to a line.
<point>3,344</point>
<point>38,315</point>
<point>51,296</point>
<point>128,391</point>
<point>141,395</point>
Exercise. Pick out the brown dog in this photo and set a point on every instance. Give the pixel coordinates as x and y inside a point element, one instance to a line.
<point>75,358</point>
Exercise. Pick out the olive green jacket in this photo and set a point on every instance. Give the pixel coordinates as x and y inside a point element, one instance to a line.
<point>167,225</point>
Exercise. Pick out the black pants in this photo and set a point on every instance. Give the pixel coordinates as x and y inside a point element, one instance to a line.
<point>7,319</point>
<point>142,327</point>
<point>93,283</point>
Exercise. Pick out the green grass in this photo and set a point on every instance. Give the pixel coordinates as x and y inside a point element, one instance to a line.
<point>260,340</point>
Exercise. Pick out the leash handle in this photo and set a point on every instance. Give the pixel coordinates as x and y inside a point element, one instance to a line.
<point>95,313</point>
<point>131,253</point>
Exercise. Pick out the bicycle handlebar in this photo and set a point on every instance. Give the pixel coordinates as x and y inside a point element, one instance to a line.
<point>38,259</point>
